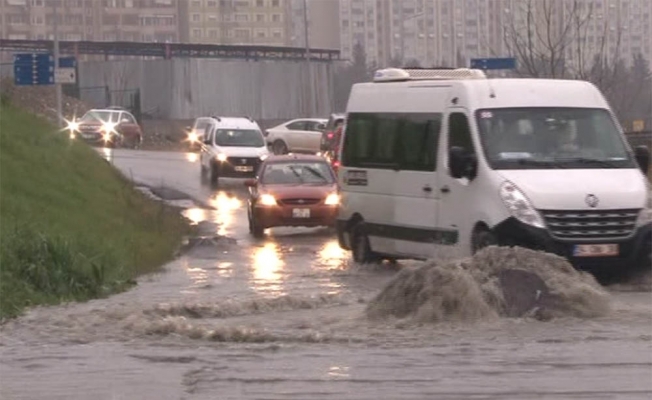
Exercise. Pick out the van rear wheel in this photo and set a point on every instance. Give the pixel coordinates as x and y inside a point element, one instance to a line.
<point>361,249</point>
<point>481,238</point>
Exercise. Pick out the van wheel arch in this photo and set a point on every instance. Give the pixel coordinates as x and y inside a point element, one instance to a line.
<point>482,236</point>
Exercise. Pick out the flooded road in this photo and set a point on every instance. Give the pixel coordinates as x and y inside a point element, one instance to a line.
<point>283,318</point>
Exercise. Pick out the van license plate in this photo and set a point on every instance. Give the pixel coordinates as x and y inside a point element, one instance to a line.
<point>248,168</point>
<point>595,250</point>
<point>301,212</point>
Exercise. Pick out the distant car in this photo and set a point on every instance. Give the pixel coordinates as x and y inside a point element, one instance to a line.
<point>232,148</point>
<point>296,136</point>
<point>292,190</point>
<point>196,132</point>
<point>110,127</point>
<point>328,139</point>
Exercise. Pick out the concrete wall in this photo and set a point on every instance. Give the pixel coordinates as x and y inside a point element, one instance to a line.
<point>188,88</point>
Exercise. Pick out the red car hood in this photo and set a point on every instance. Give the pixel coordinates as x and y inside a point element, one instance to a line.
<point>299,191</point>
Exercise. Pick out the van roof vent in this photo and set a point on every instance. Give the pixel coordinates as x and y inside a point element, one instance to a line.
<point>400,74</point>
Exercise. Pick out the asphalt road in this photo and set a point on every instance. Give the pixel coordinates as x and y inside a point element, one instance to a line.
<point>282,318</point>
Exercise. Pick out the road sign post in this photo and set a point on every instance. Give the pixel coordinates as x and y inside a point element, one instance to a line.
<point>493,63</point>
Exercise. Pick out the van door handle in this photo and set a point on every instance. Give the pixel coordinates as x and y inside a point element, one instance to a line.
<point>445,189</point>
<point>427,188</point>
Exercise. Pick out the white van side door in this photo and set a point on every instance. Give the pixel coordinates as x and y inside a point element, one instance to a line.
<point>458,196</point>
<point>416,193</point>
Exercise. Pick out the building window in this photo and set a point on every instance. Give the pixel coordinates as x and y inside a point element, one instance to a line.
<point>276,18</point>
<point>37,20</point>
<point>241,33</point>
<point>212,34</point>
<point>37,3</point>
<point>241,17</point>
<point>260,3</point>
<point>276,3</point>
<point>211,3</point>
<point>261,34</point>
<point>196,18</point>
<point>242,3</point>
<point>196,33</point>
<point>260,17</point>
<point>277,33</point>
<point>196,3</point>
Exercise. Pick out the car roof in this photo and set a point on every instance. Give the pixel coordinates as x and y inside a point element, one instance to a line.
<point>235,123</point>
<point>294,157</point>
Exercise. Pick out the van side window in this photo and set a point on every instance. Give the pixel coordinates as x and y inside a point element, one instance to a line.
<point>459,133</point>
<point>392,141</point>
<point>419,140</point>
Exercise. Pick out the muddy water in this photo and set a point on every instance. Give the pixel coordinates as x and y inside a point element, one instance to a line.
<point>284,318</point>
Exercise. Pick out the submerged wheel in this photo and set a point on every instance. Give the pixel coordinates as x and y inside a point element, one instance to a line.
<point>360,247</point>
<point>215,175</point>
<point>482,238</point>
<point>279,148</point>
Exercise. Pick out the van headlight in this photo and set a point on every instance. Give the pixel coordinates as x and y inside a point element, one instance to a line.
<point>221,157</point>
<point>263,157</point>
<point>519,206</point>
<point>645,216</point>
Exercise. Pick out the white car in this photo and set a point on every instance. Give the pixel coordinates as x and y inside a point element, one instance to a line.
<point>297,136</point>
<point>232,148</point>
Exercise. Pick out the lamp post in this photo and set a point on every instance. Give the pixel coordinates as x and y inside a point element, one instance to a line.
<point>311,103</point>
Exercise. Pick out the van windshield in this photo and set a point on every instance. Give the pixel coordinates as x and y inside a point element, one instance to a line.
<point>239,138</point>
<point>543,138</point>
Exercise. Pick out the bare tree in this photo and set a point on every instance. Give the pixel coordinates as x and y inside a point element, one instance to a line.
<point>552,39</point>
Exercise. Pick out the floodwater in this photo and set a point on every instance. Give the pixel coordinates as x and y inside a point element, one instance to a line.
<point>286,318</point>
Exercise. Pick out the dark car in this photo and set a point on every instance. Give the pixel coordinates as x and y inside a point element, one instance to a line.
<point>292,190</point>
<point>328,138</point>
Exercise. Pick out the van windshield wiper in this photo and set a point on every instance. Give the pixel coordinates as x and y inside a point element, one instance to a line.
<point>591,161</point>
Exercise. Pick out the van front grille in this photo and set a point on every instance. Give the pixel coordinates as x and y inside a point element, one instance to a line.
<point>591,224</point>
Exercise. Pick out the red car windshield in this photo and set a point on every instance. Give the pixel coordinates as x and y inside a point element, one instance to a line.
<point>297,173</point>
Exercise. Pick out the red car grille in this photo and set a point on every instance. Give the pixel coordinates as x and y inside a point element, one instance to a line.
<point>299,202</point>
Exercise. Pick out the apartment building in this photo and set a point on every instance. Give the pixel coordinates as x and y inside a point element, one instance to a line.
<point>450,32</point>
<point>242,22</point>
<point>322,17</point>
<point>103,20</point>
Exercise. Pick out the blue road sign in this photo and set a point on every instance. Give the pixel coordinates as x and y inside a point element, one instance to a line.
<point>493,63</point>
<point>67,62</point>
<point>34,69</point>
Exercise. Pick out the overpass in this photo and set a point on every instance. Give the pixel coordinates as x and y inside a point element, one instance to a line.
<point>169,50</point>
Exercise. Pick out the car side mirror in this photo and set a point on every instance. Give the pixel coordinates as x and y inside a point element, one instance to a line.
<point>462,163</point>
<point>642,155</point>
<point>250,183</point>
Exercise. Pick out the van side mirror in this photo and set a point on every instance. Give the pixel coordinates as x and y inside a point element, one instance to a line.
<point>642,155</point>
<point>462,163</point>
<point>250,183</point>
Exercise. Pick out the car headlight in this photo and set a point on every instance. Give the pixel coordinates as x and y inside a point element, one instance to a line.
<point>221,157</point>
<point>645,216</point>
<point>332,199</point>
<point>73,126</point>
<point>192,137</point>
<point>267,200</point>
<point>106,136</point>
<point>519,206</point>
<point>108,127</point>
<point>264,157</point>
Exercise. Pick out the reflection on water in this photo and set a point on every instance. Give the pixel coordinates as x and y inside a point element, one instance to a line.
<point>196,215</point>
<point>267,267</point>
<point>226,206</point>
<point>107,153</point>
<point>338,372</point>
<point>332,255</point>
<point>225,269</point>
<point>192,157</point>
<point>198,276</point>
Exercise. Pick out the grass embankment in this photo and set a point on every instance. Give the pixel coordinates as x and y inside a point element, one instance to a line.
<point>71,227</point>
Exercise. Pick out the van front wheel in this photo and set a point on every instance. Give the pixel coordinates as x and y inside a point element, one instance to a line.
<point>361,249</point>
<point>481,238</point>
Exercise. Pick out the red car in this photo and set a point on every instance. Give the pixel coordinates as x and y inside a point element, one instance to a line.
<point>292,190</point>
<point>110,127</point>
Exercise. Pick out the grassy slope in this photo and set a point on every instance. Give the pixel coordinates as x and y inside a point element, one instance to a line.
<point>71,227</point>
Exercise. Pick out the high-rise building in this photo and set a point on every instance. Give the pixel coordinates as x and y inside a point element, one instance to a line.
<point>103,20</point>
<point>450,32</point>
<point>323,24</point>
